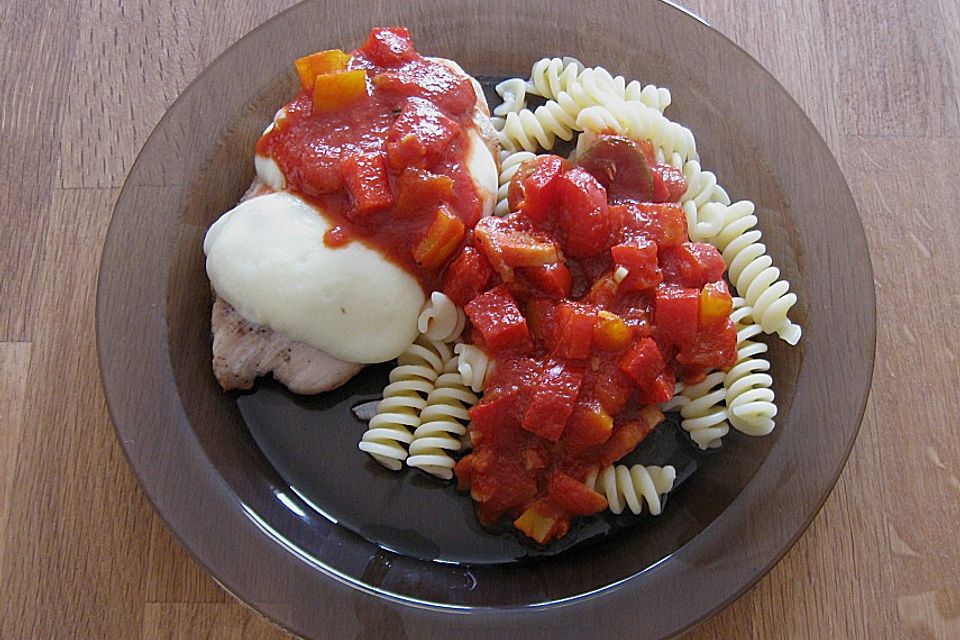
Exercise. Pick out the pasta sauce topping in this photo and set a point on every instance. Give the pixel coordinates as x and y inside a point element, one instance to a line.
<point>592,303</point>
<point>378,139</point>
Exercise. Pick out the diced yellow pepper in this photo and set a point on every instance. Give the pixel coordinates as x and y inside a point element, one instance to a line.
<point>309,67</point>
<point>338,89</point>
<point>441,240</point>
<point>535,524</point>
<point>610,332</point>
<point>715,303</point>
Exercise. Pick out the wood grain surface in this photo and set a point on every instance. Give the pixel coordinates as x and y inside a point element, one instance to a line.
<point>82,554</point>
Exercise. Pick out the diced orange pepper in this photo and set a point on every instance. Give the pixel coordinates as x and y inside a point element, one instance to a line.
<point>442,239</point>
<point>610,332</point>
<point>309,67</point>
<point>715,303</point>
<point>338,89</point>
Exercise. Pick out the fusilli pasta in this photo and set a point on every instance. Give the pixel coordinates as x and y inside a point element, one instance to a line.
<point>441,320</point>
<point>752,273</point>
<point>703,413</point>
<point>749,398</point>
<point>443,423</point>
<point>633,487</point>
<point>474,365</point>
<point>411,381</point>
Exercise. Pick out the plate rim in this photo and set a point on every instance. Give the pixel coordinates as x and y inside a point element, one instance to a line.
<point>190,545</point>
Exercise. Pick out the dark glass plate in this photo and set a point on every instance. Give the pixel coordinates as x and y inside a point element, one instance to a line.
<point>267,490</point>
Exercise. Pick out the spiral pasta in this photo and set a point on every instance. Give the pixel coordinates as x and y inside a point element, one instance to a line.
<point>633,487</point>
<point>441,320</point>
<point>749,398</point>
<point>752,273</point>
<point>703,413</point>
<point>703,222</point>
<point>509,164</point>
<point>398,413</point>
<point>474,365</point>
<point>551,76</point>
<point>443,423</point>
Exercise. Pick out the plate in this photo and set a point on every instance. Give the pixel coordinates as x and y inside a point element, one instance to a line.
<point>267,491</point>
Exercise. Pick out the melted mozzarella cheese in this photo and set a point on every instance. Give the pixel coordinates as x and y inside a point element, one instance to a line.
<point>483,171</point>
<point>267,258</point>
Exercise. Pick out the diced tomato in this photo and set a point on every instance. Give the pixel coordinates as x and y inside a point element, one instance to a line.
<point>669,185</point>
<point>713,348</point>
<point>309,67</point>
<point>467,276</point>
<point>661,389</point>
<point>639,257</point>
<point>604,291</point>
<point>642,363</point>
<point>574,496</point>
<point>443,237</point>
<point>542,317</point>
<point>612,389</point>
<point>495,414</point>
<point>496,316</point>
<point>589,425</point>
<point>338,89</point>
<point>507,246</point>
<point>552,280</point>
<point>419,191</point>
<point>449,90</point>
<point>629,434</point>
<point>665,224</point>
<point>553,400</point>
<point>389,47</point>
<point>691,264</point>
<point>676,314</point>
<point>582,217</point>
<point>575,324</point>
<point>365,177</point>
<point>715,303</point>
<point>419,135</point>
<point>537,187</point>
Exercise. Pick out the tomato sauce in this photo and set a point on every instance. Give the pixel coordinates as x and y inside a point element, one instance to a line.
<point>592,303</point>
<point>382,157</point>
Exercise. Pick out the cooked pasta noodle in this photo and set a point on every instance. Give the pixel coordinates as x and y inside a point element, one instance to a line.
<point>632,488</point>
<point>443,422</point>
<point>411,381</point>
<point>752,273</point>
<point>509,164</point>
<point>703,222</point>
<point>529,130</point>
<point>441,319</point>
<point>473,364</point>
<point>704,415</point>
<point>749,398</point>
<point>551,76</point>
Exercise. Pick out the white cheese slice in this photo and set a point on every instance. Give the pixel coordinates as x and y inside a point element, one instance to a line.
<point>267,258</point>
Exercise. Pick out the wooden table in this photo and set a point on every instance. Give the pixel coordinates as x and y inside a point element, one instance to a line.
<point>81,551</point>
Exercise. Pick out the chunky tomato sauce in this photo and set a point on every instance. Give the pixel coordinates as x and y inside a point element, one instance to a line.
<point>593,304</point>
<point>378,138</point>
